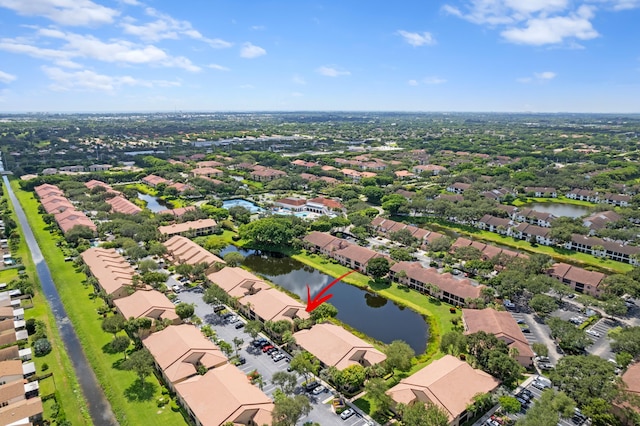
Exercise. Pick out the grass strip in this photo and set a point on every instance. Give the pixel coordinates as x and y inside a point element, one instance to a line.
<point>131,404</point>
<point>64,383</point>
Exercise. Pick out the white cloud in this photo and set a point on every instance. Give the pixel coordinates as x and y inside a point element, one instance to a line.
<point>331,71</point>
<point>87,80</point>
<point>434,80</point>
<point>534,22</point>
<point>541,31</point>
<point>87,46</point>
<point>218,67</point>
<point>258,28</point>
<point>620,4</point>
<point>64,12</point>
<point>250,51</point>
<point>538,77</point>
<point>297,94</point>
<point>417,39</point>
<point>298,79</point>
<point>247,86</point>
<point>6,77</point>
<point>412,82</point>
<point>546,75</point>
<point>166,27</point>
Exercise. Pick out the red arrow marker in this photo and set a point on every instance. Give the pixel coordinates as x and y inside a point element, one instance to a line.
<point>318,299</point>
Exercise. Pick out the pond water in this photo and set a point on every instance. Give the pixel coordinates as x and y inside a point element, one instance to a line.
<point>367,312</point>
<point>560,209</point>
<point>252,207</point>
<point>153,203</point>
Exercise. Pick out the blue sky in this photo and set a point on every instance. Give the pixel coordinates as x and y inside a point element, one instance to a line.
<point>427,55</point>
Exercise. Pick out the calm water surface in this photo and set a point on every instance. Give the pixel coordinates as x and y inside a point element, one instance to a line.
<point>560,209</point>
<point>153,203</point>
<point>367,312</point>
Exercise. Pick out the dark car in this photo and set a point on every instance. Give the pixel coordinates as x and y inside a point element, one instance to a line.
<point>259,342</point>
<point>311,386</point>
<point>241,361</point>
<point>239,325</point>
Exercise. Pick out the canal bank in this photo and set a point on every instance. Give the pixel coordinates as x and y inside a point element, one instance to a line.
<point>132,404</point>
<point>99,408</point>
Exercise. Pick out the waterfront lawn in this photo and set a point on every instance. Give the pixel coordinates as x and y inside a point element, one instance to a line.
<point>120,386</point>
<point>64,381</point>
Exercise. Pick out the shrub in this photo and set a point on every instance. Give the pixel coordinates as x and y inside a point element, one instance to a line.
<point>174,406</point>
<point>44,367</point>
<point>42,347</point>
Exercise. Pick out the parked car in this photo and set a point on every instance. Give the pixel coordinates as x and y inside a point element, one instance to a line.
<point>541,383</point>
<point>319,390</point>
<point>239,325</point>
<point>278,357</point>
<point>545,366</point>
<point>347,413</point>
<point>272,351</point>
<point>311,386</point>
<point>241,361</point>
<point>593,333</point>
<point>266,348</point>
<point>233,319</point>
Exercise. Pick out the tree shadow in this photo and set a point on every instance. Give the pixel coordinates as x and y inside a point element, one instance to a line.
<point>140,391</point>
<point>107,349</point>
<point>379,284</point>
<point>118,364</point>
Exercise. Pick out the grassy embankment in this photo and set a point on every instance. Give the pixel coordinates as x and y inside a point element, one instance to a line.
<point>131,404</point>
<point>559,200</point>
<point>64,382</point>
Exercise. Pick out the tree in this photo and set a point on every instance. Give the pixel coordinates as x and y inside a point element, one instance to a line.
<point>453,343</point>
<point>392,203</point>
<point>233,259</point>
<point>184,269</point>
<point>288,410</point>
<point>237,342</point>
<point>120,344</point>
<point>215,294</point>
<point>468,253</point>
<point>324,311</point>
<point>569,337</point>
<point>225,347</point>
<point>378,267</point>
<point>253,328</point>
<point>421,414</point>
<point>147,265</point>
<point>185,310</point>
<point>399,355</point>
<point>504,368</point>
<point>376,389</point>
<point>509,404</point>
<point>540,349</point>
<point>585,378</point>
<point>374,194</point>
<point>548,409</point>
<point>41,347</point>
<point>403,236</point>
<point>543,304</point>
<point>352,377</point>
<point>240,214</point>
<point>269,232</point>
<point>113,324</point>
<point>305,364</point>
<point>287,382</point>
<point>141,362</point>
<point>440,244</point>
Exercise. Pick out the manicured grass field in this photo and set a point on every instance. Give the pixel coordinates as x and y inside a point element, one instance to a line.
<point>131,405</point>
<point>64,380</point>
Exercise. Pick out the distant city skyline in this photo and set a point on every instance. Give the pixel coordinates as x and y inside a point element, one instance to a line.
<point>203,55</point>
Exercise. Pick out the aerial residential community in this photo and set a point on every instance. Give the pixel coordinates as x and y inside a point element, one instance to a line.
<point>488,289</point>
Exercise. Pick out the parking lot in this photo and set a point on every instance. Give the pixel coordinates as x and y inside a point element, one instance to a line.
<point>532,392</point>
<point>322,411</point>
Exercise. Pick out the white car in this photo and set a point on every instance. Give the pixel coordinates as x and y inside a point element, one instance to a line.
<point>593,333</point>
<point>347,413</point>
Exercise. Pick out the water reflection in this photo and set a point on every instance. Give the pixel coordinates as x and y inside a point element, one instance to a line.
<point>367,312</point>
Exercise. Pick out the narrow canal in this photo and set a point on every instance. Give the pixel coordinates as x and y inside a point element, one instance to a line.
<point>365,311</point>
<point>99,408</point>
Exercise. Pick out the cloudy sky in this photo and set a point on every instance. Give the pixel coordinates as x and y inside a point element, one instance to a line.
<point>411,55</point>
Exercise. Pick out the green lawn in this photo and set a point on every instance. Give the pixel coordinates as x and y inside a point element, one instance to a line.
<point>130,405</point>
<point>64,380</point>
<point>560,200</point>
